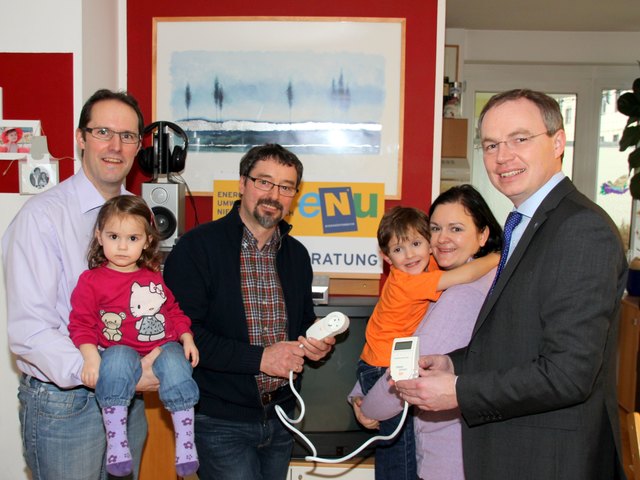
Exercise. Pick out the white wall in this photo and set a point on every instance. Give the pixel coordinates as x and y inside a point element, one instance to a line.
<point>563,62</point>
<point>93,33</point>
<point>498,46</point>
<point>103,46</point>
<point>10,446</point>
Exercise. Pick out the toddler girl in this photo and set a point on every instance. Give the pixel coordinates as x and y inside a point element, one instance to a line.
<point>121,310</point>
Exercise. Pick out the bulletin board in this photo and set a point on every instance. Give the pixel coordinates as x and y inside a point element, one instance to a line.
<point>39,86</point>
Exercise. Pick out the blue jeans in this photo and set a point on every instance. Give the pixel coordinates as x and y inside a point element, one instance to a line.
<point>232,450</point>
<point>63,435</point>
<point>120,370</point>
<point>395,458</point>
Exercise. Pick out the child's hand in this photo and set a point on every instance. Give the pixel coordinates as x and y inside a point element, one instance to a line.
<point>89,376</point>
<point>495,257</point>
<point>91,368</point>
<point>190,350</point>
<point>366,422</point>
<point>90,372</point>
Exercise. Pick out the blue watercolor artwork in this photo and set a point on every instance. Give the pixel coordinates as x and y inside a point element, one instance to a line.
<point>309,102</point>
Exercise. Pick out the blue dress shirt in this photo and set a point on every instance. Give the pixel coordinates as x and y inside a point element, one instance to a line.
<point>44,251</point>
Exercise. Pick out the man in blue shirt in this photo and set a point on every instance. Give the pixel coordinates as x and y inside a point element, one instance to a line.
<point>44,252</point>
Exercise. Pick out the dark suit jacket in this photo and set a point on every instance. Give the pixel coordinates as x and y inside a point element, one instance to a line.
<point>536,384</point>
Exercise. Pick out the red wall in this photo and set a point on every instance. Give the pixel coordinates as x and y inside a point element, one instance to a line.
<point>420,54</point>
<point>39,86</point>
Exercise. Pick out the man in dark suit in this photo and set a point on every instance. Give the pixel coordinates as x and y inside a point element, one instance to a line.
<point>536,385</point>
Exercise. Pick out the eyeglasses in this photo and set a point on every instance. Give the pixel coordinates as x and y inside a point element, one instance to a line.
<point>514,144</point>
<point>106,134</point>
<point>267,186</point>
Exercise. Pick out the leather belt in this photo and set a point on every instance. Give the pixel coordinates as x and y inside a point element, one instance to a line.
<point>270,397</point>
<point>33,381</point>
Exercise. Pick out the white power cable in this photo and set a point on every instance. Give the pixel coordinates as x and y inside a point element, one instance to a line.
<point>284,418</point>
<point>314,458</point>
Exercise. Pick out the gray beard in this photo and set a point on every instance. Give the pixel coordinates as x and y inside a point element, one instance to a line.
<point>267,221</point>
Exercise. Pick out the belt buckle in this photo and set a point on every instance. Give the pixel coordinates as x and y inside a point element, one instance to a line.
<point>267,397</point>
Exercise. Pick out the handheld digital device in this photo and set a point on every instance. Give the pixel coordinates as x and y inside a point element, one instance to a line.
<point>405,354</point>
<point>329,326</point>
<point>404,360</point>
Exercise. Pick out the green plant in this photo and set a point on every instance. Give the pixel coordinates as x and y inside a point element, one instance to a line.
<point>629,105</point>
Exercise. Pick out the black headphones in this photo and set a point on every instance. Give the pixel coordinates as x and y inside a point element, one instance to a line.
<point>158,158</point>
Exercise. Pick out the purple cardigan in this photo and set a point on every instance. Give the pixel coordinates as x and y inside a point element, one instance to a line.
<point>446,326</point>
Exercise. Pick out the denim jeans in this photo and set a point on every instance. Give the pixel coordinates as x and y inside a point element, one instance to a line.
<point>395,458</point>
<point>63,435</point>
<point>120,370</point>
<point>232,450</point>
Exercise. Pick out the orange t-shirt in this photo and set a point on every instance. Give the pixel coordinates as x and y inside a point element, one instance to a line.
<point>402,304</point>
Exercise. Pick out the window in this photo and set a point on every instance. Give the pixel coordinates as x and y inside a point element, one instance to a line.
<point>613,171</point>
<point>593,128</point>
<point>568,116</point>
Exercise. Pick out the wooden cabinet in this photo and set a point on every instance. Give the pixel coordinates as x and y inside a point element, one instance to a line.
<point>454,138</point>
<point>454,167</point>
<point>628,341</point>
<point>158,454</point>
<point>354,284</point>
<point>628,353</point>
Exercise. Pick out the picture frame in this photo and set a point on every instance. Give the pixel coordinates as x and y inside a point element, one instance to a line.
<point>329,89</point>
<point>15,137</point>
<point>36,176</point>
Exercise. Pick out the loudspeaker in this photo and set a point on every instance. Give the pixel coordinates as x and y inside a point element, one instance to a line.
<point>166,200</point>
<point>160,158</point>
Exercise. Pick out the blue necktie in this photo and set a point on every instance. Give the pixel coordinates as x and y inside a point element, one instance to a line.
<point>513,219</point>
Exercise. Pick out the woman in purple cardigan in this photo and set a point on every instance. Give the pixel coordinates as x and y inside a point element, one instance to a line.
<point>462,228</point>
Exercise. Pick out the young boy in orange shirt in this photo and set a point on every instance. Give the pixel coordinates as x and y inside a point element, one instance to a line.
<point>414,281</point>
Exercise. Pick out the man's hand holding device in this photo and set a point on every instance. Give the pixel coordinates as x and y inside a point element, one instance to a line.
<point>320,336</point>
<point>435,389</point>
<point>405,354</point>
<point>329,326</point>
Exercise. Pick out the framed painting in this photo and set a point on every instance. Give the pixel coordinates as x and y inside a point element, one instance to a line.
<point>329,89</point>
